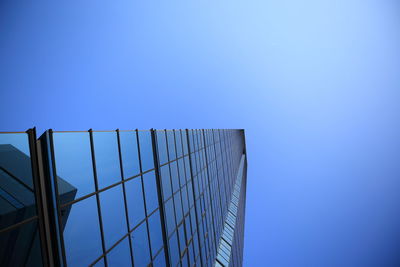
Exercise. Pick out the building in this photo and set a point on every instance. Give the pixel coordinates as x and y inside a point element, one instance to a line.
<point>122,198</point>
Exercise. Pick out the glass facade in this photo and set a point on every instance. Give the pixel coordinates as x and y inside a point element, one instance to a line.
<point>122,198</point>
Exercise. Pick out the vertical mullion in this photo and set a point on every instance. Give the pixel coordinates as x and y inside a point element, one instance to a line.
<point>194,196</point>
<point>160,195</point>
<point>144,195</point>
<point>124,193</point>
<point>97,195</point>
<point>40,206</point>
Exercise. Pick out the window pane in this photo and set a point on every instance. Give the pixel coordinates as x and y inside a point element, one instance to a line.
<point>107,158</point>
<point>171,145</point>
<point>181,170</point>
<point>178,141</point>
<point>185,144</point>
<point>150,188</point>
<point>185,200</point>
<point>146,150</point>
<point>174,250</point>
<point>129,152</point>
<point>74,167</point>
<point>140,246</point>
<point>159,261</point>
<point>156,238</point>
<point>166,183</point>
<point>113,215</point>
<point>187,168</point>
<point>134,199</point>
<point>162,147</point>
<point>82,239</point>
<point>174,176</point>
<point>182,239</point>
<point>170,216</point>
<point>178,207</point>
<point>21,246</point>
<point>120,255</point>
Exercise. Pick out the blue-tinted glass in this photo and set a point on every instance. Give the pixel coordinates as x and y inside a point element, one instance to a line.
<point>185,202</point>
<point>130,154</point>
<point>150,189</point>
<point>188,228</point>
<point>174,250</point>
<point>178,140</point>
<point>174,176</point>
<point>74,167</point>
<point>81,233</point>
<point>185,261</point>
<point>113,215</point>
<point>170,216</point>
<point>187,169</point>
<point>100,263</point>
<point>156,240</point>
<point>162,147</point>
<point>171,145</point>
<point>165,181</point>
<point>184,142</point>
<point>107,158</point>
<point>190,193</point>
<point>120,255</point>
<point>181,170</point>
<point>134,199</point>
<point>146,150</point>
<point>178,207</point>
<point>21,246</point>
<point>159,261</point>
<point>182,239</point>
<point>140,246</point>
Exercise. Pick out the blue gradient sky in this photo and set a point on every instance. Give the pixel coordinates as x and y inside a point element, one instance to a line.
<point>316,85</point>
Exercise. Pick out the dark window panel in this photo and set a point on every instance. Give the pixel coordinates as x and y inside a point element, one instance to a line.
<point>170,216</point>
<point>166,182</point>
<point>178,207</point>
<point>174,176</point>
<point>174,249</point>
<point>171,145</point>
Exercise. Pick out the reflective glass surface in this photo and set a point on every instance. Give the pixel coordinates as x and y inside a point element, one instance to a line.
<point>107,158</point>
<point>74,166</point>
<point>155,232</point>
<point>130,153</point>
<point>140,246</point>
<point>120,255</point>
<point>174,250</point>
<point>134,199</point>
<point>159,261</point>
<point>113,215</point>
<point>150,189</point>
<point>82,240</point>
<point>170,216</point>
<point>171,145</point>
<point>166,182</point>
<point>146,150</point>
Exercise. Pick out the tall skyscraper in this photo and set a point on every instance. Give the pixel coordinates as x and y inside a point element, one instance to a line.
<point>122,198</point>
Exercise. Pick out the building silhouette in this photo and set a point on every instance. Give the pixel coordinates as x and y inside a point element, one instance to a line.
<point>122,198</point>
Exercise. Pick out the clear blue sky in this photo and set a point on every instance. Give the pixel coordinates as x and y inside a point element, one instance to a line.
<point>316,85</point>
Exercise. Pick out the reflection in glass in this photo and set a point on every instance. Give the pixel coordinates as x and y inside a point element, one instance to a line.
<point>107,158</point>
<point>181,169</point>
<point>156,240</point>
<point>146,150</point>
<point>178,207</point>
<point>150,189</point>
<point>178,141</point>
<point>140,246</point>
<point>17,198</point>
<point>174,176</point>
<point>134,199</point>
<point>159,261</point>
<point>82,239</point>
<point>120,255</point>
<point>129,151</point>
<point>113,215</point>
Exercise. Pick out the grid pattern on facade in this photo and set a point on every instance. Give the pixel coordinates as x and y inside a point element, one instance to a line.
<point>124,198</point>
